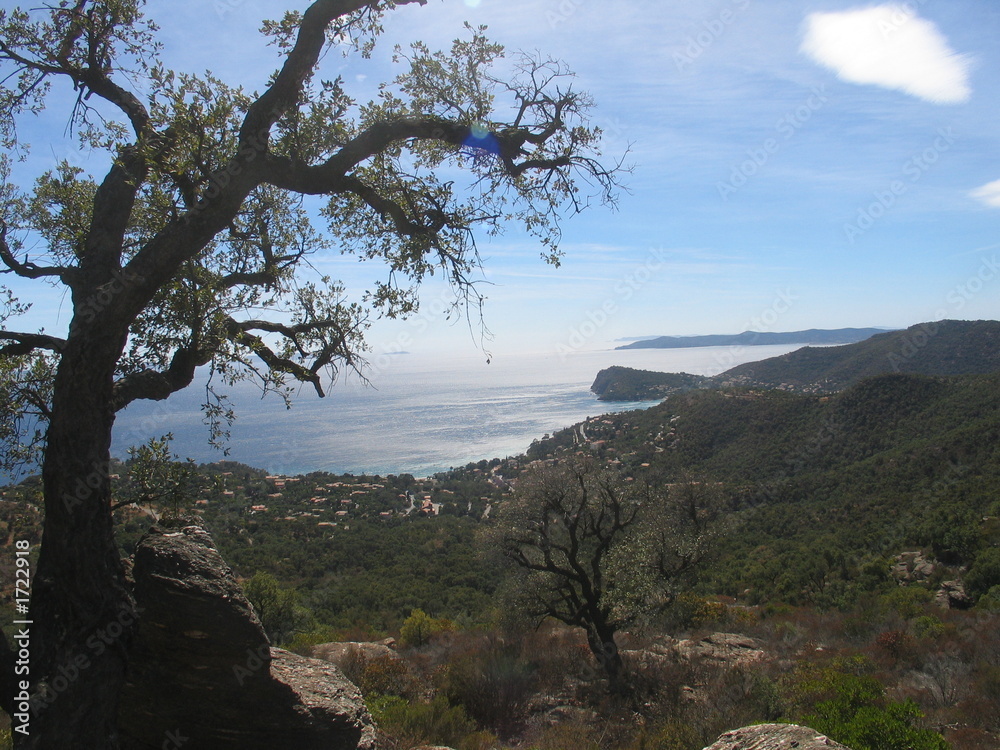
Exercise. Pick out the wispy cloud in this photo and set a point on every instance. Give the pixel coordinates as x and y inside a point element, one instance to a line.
<point>889,46</point>
<point>988,194</point>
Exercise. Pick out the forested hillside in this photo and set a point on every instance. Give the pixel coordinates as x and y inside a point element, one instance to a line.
<point>949,347</point>
<point>857,562</point>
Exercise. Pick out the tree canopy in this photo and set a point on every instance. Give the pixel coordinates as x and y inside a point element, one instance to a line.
<point>192,249</point>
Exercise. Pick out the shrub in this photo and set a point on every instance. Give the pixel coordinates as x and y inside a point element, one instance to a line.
<point>895,643</point>
<point>928,626</point>
<point>418,628</point>
<point>690,611</point>
<point>437,722</point>
<point>908,601</point>
<point>304,643</point>
<point>479,741</point>
<point>493,686</point>
<point>984,573</point>
<point>990,601</point>
<point>565,736</point>
<point>853,709</point>
<point>386,675</point>
<point>671,735</point>
<point>275,606</point>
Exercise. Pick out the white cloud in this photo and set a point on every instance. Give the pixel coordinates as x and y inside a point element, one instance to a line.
<point>889,46</point>
<point>988,194</point>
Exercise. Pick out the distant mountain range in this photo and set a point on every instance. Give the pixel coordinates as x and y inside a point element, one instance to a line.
<point>949,347</point>
<point>758,338</point>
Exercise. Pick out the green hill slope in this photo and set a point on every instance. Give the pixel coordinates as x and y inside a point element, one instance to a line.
<point>949,347</point>
<point>825,484</point>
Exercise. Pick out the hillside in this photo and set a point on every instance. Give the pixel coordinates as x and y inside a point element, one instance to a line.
<point>893,461</point>
<point>949,347</point>
<point>758,338</point>
<point>627,384</point>
<point>851,514</point>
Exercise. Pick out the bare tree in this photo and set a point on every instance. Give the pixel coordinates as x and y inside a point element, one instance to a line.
<point>191,251</point>
<point>594,551</point>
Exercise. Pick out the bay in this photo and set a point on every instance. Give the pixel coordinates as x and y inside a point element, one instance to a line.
<point>421,414</point>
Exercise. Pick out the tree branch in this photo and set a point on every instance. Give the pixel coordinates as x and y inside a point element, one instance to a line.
<point>236,333</point>
<point>25,343</point>
<point>284,93</point>
<point>156,385</point>
<point>26,269</point>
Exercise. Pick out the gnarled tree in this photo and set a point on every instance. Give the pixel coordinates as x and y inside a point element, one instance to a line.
<point>592,550</point>
<point>191,251</point>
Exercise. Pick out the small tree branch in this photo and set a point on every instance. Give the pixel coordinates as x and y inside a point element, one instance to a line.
<point>236,333</point>
<point>25,343</point>
<point>26,269</point>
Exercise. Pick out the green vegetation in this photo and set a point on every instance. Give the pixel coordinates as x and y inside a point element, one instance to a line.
<point>826,486</point>
<point>626,384</point>
<point>853,709</point>
<point>825,491</point>
<point>949,347</point>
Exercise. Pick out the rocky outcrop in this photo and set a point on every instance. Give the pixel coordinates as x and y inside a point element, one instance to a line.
<point>775,737</point>
<point>912,567</point>
<point>202,674</point>
<point>721,649</point>
<point>346,654</point>
<point>724,648</point>
<point>951,595</point>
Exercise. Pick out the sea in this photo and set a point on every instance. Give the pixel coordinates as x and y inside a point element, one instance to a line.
<point>417,414</point>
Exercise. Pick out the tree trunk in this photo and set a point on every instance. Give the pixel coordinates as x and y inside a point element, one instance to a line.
<point>601,639</point>
<point>81,610</point>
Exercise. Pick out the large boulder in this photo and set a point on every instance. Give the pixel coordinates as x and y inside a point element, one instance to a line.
<point>775,737</point>
<point>912,567</point>
<point>720,649</point>
<point>347,653</point>
<point>951,595</point>
<point>202,674</point>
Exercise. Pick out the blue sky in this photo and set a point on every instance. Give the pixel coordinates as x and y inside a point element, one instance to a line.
<point>798,163</point>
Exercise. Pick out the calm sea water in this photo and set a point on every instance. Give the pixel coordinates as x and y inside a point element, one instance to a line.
<point>420,415</point>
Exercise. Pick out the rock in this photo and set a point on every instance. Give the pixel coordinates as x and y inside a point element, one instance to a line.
<point>951,595</point>
<point>912,567</point>
<point>202,674</point>
<point>775,737</point>
<point>344,655</point>
<point>730,649</point>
